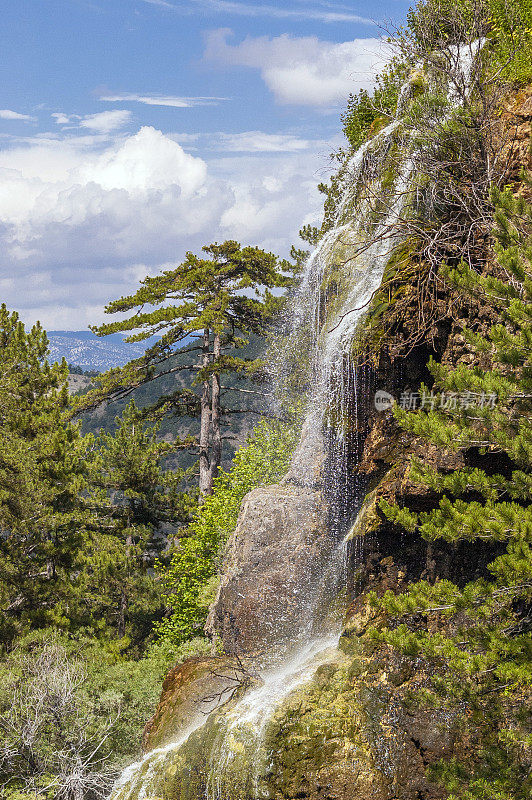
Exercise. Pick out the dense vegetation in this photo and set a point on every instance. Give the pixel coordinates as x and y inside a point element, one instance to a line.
<point>477,638</point>
<point>85,520</point>
<point>474,639</point>
<point>433,26</point>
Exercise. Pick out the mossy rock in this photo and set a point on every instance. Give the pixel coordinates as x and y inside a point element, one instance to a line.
<point>368,518</point>
<point>349,733</point>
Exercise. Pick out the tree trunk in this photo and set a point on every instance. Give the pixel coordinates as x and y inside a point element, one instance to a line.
<point>205,478</point>
<point>123,604</point>
<point>122,614</point>
<point>216,450</point>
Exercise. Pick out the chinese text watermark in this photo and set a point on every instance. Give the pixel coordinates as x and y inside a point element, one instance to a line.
<point>444,401</point>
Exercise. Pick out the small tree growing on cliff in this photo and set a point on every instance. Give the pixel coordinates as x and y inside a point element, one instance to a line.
<point>215,300</point>
<point>482,654</point>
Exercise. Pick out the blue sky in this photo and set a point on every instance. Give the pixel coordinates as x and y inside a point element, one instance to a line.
<point>134,130</point>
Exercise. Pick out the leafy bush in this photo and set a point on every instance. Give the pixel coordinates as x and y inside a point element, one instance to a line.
<point>366,112</point>
<point>72,713</point>
<point>190,581</point>
<point>511,34</point>
<point>434,23</point>
<point>507,24</point>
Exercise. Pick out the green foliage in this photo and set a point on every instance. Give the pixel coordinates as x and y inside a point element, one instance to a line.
<point>482,656</point>
<point>216,302</point>
<point>190,579</point>
<point>507,24</point>
<point>437,23</point>
<point>367,112</point>
<point>43,470</point>
<point>72,713</point>
<point>74,369</point>
<point>510,34</point>
<point>310,234</point>
<point>82,519</point>
<point>135,503</point>
<point>201,294</point>
<point>458,155</point>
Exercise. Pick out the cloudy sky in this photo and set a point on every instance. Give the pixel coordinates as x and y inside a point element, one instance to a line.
<point>134,130</point>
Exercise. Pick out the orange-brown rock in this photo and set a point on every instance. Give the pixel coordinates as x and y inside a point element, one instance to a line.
<point>191,689</point>
<point>517,122</point>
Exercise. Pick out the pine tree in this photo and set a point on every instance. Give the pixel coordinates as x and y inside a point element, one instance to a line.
<point>482,653</point>
<point>216,302</point>
<point>43,465</point>
<point>138,506</point>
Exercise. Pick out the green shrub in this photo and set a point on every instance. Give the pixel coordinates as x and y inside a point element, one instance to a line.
<point>366,112</point>
<point>73,709</point>
<point>511,38</point>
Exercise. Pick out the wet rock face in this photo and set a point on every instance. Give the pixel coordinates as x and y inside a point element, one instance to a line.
<point>191,690</point>
<point>273,564</point>
<point>352,734</point>
<point>355,731</point>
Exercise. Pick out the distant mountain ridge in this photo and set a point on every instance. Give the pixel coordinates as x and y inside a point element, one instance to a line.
<point>90,352</point>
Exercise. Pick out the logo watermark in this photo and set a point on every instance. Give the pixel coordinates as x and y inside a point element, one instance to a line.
<point>383,401</point>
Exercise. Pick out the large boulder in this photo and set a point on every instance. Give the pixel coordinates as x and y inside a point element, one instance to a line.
<point>273,564</point>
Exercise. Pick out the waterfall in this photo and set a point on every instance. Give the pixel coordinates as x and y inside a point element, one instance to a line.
<point>353,256</point>
<point>340,279</point>
<point>223,755</point>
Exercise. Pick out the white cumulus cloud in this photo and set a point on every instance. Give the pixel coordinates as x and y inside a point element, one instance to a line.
<point>58,183</point>
<point>106,121</point>
<point>82,220</point>
<point>6,113</point>
<point>144,163</point>
<point>303,70</point>
<point>60,118</point>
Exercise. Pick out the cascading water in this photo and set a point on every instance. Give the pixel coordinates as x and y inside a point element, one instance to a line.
<point>224,756</point>
<point>355,265</point>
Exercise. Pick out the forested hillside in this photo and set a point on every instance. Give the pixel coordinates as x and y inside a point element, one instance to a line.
<point>244,396</point>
